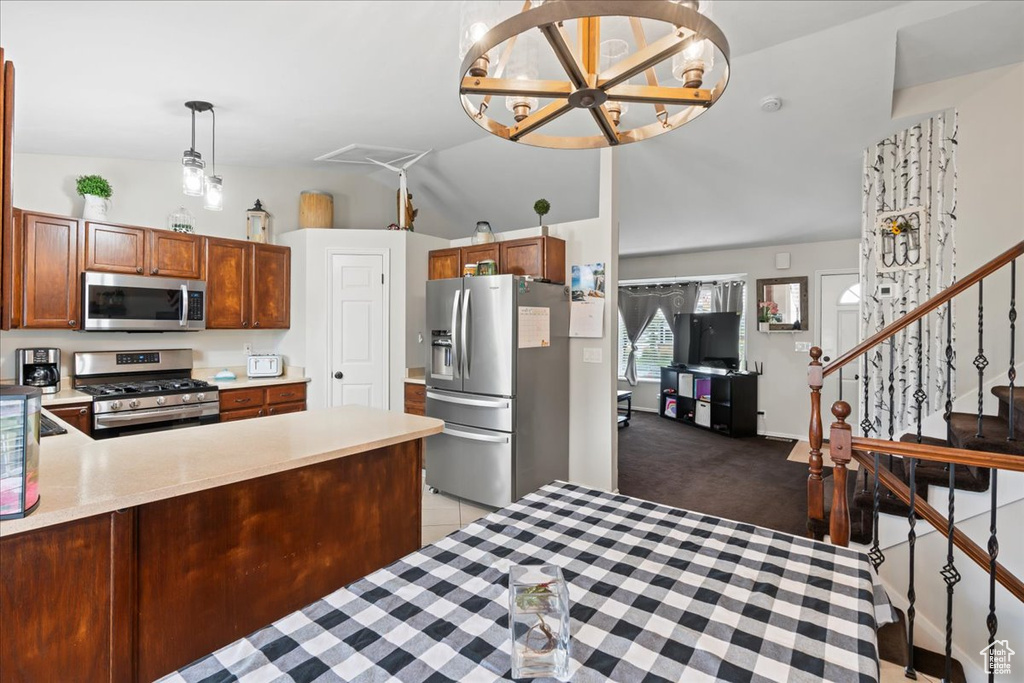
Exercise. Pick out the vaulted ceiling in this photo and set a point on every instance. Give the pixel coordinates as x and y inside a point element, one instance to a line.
<point>294,80</point>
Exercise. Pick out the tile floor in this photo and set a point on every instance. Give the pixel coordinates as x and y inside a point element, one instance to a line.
<point>444,514</point>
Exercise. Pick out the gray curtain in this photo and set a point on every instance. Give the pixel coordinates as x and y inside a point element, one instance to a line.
<point>676,299</point>
<point>638,308</point>
<point>727,297</point>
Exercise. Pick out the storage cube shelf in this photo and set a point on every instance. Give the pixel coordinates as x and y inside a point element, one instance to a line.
<point>715,400</point>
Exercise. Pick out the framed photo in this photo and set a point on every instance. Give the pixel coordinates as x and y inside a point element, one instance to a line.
<point>901,240</point>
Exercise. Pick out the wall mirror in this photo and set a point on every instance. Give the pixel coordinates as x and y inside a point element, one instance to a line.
<point>782,304</point>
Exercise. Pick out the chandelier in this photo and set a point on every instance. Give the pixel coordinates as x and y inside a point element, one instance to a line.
<point>604,77</point>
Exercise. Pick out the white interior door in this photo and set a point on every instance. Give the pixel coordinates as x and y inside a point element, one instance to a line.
<point>839,329</point>
<point>357,345</point>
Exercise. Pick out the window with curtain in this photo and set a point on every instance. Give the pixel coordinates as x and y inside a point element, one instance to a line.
<point>653,349</point>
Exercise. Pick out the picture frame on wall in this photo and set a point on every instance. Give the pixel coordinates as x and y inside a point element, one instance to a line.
<point>901,240</point>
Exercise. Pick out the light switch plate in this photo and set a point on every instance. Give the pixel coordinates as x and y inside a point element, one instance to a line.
<point>592,355</point>
<point>803,347</point>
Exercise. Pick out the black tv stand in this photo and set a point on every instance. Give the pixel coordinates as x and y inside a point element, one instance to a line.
<point>720,400</point>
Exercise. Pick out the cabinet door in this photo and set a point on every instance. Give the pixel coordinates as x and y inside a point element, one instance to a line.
<point>444,263</point>
<point>239,399</point>
<point>246,414</point>
<point>115,248</point>
<point>271,286</point>
<point>228,271</point>
<point>481,252</point>
<point>282,408</point>
<point>175,254</point>
<point>51,272</point>
<point>415,399</point>
<point>523,257</point>
<point>78,415</point>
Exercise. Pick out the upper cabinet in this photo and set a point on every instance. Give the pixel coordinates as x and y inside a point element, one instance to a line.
<point>175,254</point>
<point>228,284</point>
<point>50,271</point>
<point>115,248</point>
<point>271,286</point>
<point>539,257</point>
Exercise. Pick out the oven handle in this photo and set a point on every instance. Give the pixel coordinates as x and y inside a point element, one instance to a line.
<point>184,306</point>
<point>173,413</point>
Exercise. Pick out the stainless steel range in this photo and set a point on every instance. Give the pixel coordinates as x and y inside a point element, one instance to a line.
<point>144,391</point>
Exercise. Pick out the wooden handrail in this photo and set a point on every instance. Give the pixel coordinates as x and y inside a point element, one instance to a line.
<point>937,520</point>
<point>925,308</point>
<point>957,456</point>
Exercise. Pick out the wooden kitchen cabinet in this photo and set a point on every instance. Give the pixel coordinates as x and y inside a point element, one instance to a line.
<point>415,398</point>
<point>271,286</point>
<point>7,217</point>
<point>444,263</point>
<point>482,252</point>
<point>228,288</point>
<point>175,254</point>
<point>250,402</point>
<point>115,248</point>
<point>78,415</point>
<point>49,283</point>
<point>541,257</point>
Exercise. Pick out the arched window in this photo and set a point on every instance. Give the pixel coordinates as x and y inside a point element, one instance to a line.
<point>851,296</point>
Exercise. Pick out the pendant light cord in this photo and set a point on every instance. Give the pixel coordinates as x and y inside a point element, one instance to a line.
<point>193,147</point>
<point>213,152</point>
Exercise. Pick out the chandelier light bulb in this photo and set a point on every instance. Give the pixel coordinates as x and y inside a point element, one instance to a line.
<point>214,193</point>
<point>522,66</point>
<point>192,166</point>
<point>611,52</point>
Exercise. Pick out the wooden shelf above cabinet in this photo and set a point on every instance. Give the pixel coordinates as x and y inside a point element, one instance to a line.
<point>540,257</point>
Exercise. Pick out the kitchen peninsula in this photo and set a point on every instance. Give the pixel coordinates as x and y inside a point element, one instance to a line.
<point>148,551</point>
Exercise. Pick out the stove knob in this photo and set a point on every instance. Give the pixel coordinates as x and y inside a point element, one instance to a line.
<point>115,405</point>
<point>185,398</point>
<point>160,400</point>
<point>200,396</point>
<point>134,403</point>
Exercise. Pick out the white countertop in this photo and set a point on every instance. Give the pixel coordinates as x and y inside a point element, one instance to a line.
<point>414,376</point>
<point>80,477</point>
<point>65,396</point>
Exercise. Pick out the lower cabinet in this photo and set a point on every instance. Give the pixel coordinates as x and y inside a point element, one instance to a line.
<point>277,399</point>
<point>415,398</point>
<point>78,415</point>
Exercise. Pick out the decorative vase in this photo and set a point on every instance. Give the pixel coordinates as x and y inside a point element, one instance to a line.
<point>483,234</point>
<point>182,221</point>
<point>764,327</point>
<point>96,208</point>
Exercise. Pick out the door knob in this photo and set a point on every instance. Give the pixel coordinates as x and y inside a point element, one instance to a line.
<point>339,374</point>
<point>826,358</point>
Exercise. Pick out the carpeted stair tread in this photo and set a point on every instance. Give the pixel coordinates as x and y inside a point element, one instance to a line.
<point>963,429</point>
<point>937,473</point>
<point>1003,394</point>
<point>893,647</point>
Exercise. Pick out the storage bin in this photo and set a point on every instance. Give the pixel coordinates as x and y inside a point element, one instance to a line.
<point>703,414</point>
<point>685,384</point>
<point>670,406</point>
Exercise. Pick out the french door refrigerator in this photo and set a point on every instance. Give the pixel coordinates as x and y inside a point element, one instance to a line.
<point>498,375</point>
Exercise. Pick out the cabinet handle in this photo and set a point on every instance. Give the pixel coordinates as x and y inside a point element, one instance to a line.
<point>242,400</point>
<point>260,412</point>
<point>71,323</point>
<point>256,324</point>
<point>83,411</point>
<point>154,271</point>
<point>245,323</point>
<point>290,393</point>
<point>138,269</point>
<point>271,411</point>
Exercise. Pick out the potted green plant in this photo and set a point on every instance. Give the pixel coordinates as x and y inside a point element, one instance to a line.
<point>97,192</point>
<point>541,208</point>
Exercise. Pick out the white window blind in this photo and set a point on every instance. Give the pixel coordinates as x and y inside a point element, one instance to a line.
<point>653,349</point>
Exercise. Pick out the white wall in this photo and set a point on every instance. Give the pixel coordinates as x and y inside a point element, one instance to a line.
<point>145,192</point>
<point>782,390</point>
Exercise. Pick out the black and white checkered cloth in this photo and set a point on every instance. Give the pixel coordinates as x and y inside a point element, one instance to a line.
<point>656,593</point>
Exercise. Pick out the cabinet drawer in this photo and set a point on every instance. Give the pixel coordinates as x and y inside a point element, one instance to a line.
<point>243,414</point>
<point>235,399</point>
<point>282,408</point>
<point>286,393</point>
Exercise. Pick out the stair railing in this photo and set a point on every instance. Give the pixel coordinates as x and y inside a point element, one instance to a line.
<point>844,447</point>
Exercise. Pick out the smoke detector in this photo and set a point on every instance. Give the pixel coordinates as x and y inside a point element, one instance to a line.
<point>771,104</point>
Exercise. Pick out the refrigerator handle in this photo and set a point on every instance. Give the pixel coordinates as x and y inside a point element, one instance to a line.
<point>455,340</point>
<point>475,437</point>
<point>465,334</point>
<point>477,402</point>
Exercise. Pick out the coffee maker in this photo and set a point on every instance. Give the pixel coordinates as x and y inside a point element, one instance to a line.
<point>38,368</point>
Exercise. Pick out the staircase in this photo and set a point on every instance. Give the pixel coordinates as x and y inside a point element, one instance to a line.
<point>896,477</point>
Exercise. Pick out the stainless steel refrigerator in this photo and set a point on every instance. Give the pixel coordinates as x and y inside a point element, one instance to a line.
<point>498,375</point>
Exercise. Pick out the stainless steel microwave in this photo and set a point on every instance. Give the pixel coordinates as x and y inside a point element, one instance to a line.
<point>137,303</point>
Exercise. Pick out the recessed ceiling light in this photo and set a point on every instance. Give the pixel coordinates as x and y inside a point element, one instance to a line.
<point>771,103</point>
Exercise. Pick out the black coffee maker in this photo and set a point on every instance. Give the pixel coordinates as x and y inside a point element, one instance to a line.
<point>38,368</point>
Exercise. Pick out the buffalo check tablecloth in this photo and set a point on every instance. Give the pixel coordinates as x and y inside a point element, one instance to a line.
<point>657,594</point>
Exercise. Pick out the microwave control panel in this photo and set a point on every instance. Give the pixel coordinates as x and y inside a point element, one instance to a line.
<point>195,305</point>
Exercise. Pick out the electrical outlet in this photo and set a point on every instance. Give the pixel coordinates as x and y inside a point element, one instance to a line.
<point>592,355</point>
<point>803,347</point>
<point>247,349</point>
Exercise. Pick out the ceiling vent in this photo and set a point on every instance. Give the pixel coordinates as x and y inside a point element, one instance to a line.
<point>362,154</point>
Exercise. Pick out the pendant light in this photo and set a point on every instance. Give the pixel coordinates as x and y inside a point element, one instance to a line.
<point>214,185</point>
<point>192,163</point>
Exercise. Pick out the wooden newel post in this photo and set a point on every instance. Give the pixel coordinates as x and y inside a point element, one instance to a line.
<point>815,487</point>
<point>839,449</point>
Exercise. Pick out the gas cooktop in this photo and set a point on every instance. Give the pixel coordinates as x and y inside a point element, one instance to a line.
<point>162,386</point>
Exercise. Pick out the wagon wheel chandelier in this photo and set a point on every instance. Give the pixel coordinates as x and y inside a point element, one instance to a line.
<point>599,73</point>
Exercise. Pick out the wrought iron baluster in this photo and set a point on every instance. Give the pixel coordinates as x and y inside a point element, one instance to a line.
<point>840,384</point>
<point>919,394</point>
<point>1011,374</point>
<point>980,362</point>
<point>865,423</point>
<point>993,552</point>
<point>911,543</point>
<point>949,573</point>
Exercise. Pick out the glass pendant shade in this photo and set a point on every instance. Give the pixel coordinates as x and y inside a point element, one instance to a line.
<point>192,166</point>
<point>475,20</point>
<point>522,65</point>
<point>690,65</point>
<point>214,193</point>
<point>611,52</point>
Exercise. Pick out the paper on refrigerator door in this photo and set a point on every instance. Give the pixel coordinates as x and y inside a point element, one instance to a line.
<point>534,327</point>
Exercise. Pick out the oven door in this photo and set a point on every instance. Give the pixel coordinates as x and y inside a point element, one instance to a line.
<point>107,425</point>
<point>138,303</point>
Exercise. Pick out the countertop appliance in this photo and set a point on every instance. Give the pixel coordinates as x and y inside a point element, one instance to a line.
<point>20,408</point>
<point>38,368</point>
<point>264,365</point>
<point>498,374</point>
<point>137,303</point>
<point>144,391</point>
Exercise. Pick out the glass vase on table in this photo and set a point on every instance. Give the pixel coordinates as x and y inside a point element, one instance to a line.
<point>538,621</point>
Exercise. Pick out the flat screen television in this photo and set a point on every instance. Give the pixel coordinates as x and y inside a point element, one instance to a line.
<point>708,339</point>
